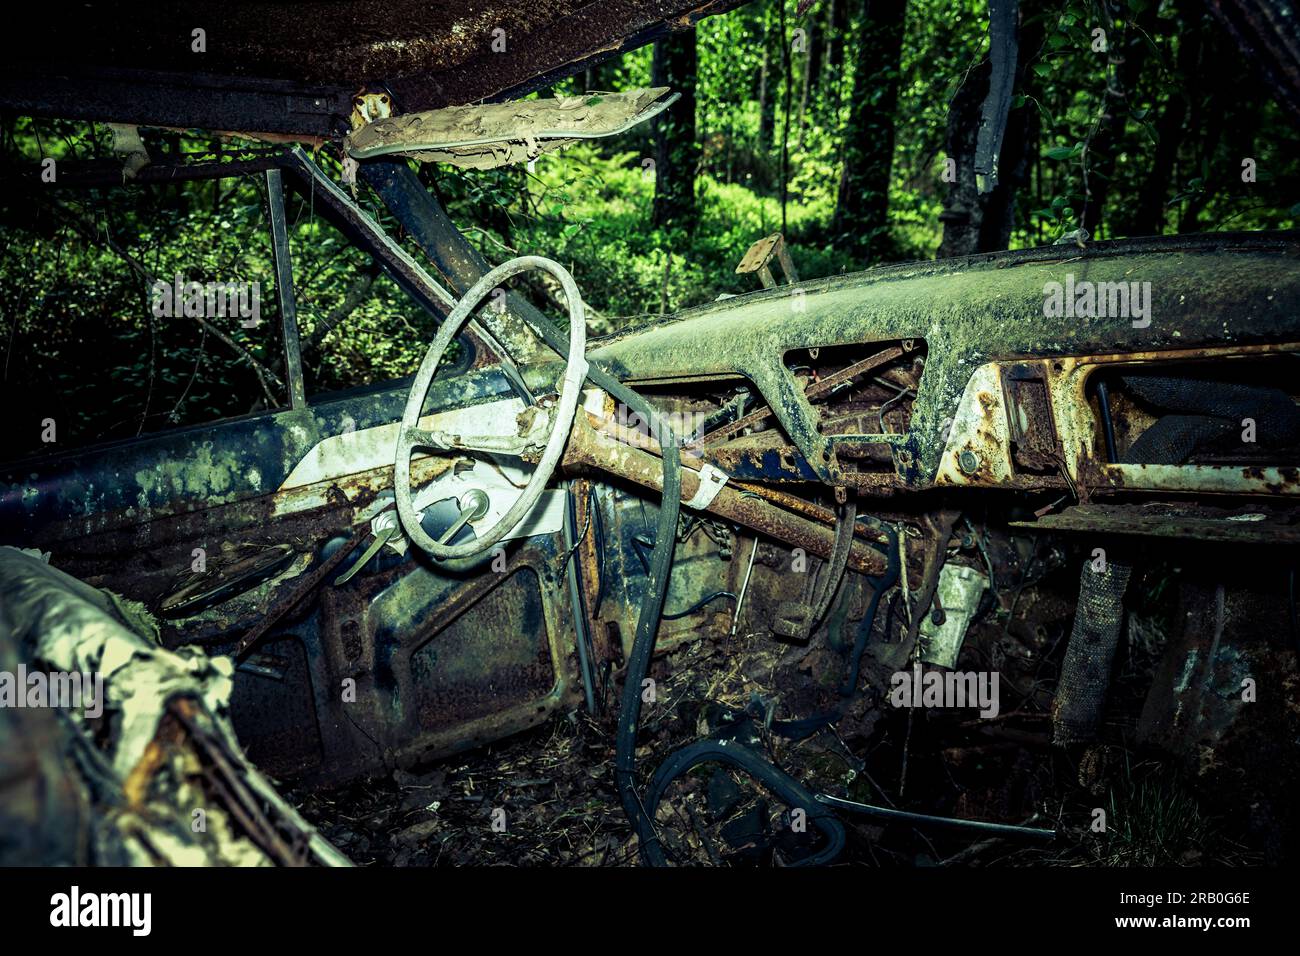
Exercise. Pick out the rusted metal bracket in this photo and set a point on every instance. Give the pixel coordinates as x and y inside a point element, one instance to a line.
<point>711,482</point>
<point>1254,524</point>
<point>759,258</point>
<point>819,389</point>
<point>938,527</point>
<point>795,620</point>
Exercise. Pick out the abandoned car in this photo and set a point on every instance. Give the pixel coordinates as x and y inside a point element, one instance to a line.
<point>746,560</point>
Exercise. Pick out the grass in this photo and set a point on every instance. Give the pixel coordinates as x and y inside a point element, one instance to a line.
<point>1153,819</point>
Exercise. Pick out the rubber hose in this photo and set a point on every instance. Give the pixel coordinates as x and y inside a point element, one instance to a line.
<point>775,780</point>
<point>879,586</point>
<point>647,625</point>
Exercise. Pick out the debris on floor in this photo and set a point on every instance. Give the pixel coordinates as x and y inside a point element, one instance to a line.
<point>142,768</point>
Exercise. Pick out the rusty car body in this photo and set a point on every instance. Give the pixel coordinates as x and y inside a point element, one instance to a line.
<point>864,421</point>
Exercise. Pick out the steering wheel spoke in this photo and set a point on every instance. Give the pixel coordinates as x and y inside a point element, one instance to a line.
<point>412,438</point>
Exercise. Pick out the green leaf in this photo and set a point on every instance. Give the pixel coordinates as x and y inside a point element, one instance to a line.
<point>1062,152</point>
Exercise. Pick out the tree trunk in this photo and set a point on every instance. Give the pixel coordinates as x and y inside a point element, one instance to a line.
<point>806,63</point>
<point>1126,53</point>
<point>861,221</point>
<point>788,88</point>
<point>817,28</point>
<point>975,222</point>
<point>1149,218</point>
<point>677,153</point>
<point>838,28</point>
<point>1207,144</point>
<point>982,223</point>
<point>1220,133</point>
<point>832,84</point>
<point>766,94</point>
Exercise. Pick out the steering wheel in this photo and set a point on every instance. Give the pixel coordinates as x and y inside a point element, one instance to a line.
<point>410,436</point>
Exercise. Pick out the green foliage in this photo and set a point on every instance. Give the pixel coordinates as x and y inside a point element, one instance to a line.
<point>591,212</point>
<point>83,344</point>
<point>1152,819</point>
<point>75,301</point>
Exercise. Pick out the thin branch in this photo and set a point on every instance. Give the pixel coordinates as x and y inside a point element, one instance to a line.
<point>356,294</point>
<point>264,375</point>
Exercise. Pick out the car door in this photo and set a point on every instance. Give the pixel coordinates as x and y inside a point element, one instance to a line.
<point>223,527</point>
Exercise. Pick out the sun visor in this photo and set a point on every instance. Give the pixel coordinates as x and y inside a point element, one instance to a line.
<point>500,134</point>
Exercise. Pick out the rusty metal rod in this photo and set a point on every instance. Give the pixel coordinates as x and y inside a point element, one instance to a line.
<point>588,448</point>
<point>889,815</point>
<point>814,391</point>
